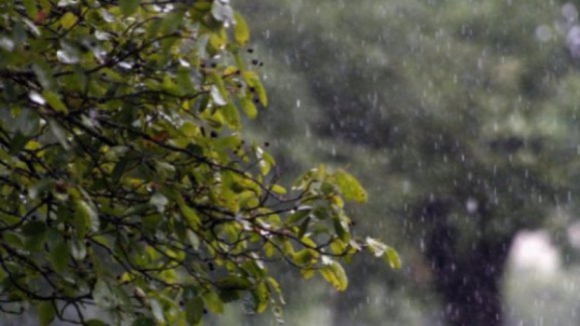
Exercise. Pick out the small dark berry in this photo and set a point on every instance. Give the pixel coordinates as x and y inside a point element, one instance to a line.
<point>266,144</point>
<point>213,65</point>
<point>250,50</point>
<point>252,89</point>
<point>213,134</point>
<point>255,62</point>
<point>202,65</point>
<point>257,101</point>
<point>261,64</point>
<point>181,303</point>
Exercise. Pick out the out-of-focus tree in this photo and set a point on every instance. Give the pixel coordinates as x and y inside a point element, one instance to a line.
<point>466,113</point>
<point>125,181</point>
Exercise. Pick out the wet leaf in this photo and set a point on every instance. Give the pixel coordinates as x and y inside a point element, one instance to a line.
<point>349,186</point>
<point>393,258</point>
<point>241,30</point>
<point>194,310</point>
<point>334,274</point>
<point>46,313</point>
<point>129,7</point>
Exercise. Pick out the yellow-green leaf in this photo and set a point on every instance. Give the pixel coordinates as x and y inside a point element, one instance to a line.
<point>255,84</point>
<point>249,108</point>
<point>213,303</point>
<point>334,274</point>
<point>190,216</point>
<point>393,258</point>
<point>68,20</point>
<point>241,30</point>
<point>349,186</point>
<point>304,257</point>
<point>54,100</point>
<point>278,189</point>
<point>232,116</point>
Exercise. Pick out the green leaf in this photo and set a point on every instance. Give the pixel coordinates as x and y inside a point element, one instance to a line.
<point>44,74</point>
<point>95,322</point>
<point>262,295</point>
<point>233,282</point>
<point>231,116</point>
<point>31,9</point>
<point>349,186</point>
<point>59,256</point>
<point>213,302</point>
<point>34,228</point>
<point>46,313</point>
<point>86,218</point>
<point>304,257</point>
<point>129,7</point>
<point>171,21</point>
<point>341,228</point>
<point>68,20</point>
<point>254,82</point>
<point>279,189</point>
<point>18,142</point>
<point>103,295</point>
<point>143,321</point>
<point>194,310</point>
<point>298,216</point>
<point>249,108</point>
<point>54,100</point>
<point>377,248</point>
<point>241,30</point>
<point>393,258</point>
<point>36,235</point>
<point>334,274</point>
<point>190,216</point>
<point>274,287</point>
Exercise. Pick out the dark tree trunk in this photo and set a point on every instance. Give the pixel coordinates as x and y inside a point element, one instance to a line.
<point>468,275</point>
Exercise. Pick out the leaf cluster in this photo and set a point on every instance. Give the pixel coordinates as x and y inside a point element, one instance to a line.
<point>125,180</point>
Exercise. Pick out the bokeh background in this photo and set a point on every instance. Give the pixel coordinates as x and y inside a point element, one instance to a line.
<point>461,118</point>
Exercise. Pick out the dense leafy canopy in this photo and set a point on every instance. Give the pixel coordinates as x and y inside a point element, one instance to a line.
<point>124,177</point>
